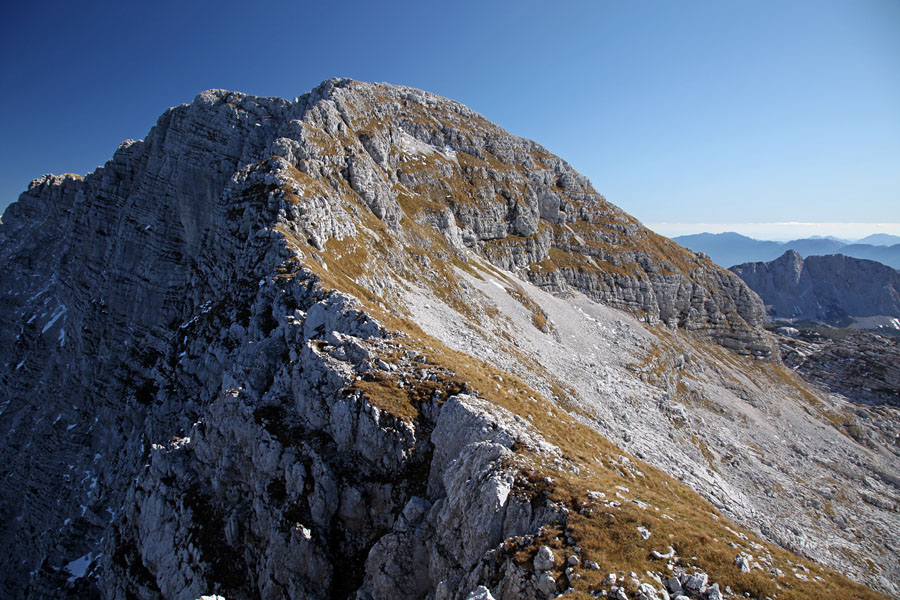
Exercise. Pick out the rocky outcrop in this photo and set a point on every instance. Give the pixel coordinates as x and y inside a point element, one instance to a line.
<point>256,503</point>
<point>861,366</point>
<point>830,289</point>
<point>156,300</point>
<point>216,380</point>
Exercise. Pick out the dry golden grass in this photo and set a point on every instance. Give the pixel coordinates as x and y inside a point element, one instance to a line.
<point>385,391</point>
<point>694,529</point>
<point>539,320</point>
<point>699,534</point>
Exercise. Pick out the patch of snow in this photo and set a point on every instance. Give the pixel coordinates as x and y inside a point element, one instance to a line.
<point>79,566</point>
<point>189,323</point>
<point>45,288</point>
<point>62,310</point>
<point>411,145</point>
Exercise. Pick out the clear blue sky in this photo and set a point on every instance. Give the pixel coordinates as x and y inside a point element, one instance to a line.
<point>689,111</point>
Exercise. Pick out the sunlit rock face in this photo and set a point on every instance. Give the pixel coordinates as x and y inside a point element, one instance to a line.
<point>367,344</point>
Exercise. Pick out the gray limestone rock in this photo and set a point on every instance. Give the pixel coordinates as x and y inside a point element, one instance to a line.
<point>480,593</point>
<point>195,339</point>
<point>546,583</point>
<point>713,592</point>
<point>647,592</point>
<point>673,584</point>
<point>544,559</point>
<point>695,583</point>
<point>863,366</point>
<point>743,563</point>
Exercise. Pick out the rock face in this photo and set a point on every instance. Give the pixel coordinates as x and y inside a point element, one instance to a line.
<point>305,349</point>
<point>829,288</point>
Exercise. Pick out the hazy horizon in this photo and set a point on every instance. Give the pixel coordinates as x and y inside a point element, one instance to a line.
<point>779,232</point>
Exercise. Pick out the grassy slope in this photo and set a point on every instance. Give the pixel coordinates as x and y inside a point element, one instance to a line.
<point>607,534</point>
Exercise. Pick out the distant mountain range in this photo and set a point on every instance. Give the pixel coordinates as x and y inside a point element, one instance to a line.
<point>728,249</point>
<point>880,239</point>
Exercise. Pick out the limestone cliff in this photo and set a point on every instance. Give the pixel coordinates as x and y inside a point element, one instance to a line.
<point>306,349</point>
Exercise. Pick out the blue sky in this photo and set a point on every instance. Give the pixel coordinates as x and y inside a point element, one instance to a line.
<point>679,112</point>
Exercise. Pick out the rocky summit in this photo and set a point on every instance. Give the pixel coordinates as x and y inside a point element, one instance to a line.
<point>367,344</point>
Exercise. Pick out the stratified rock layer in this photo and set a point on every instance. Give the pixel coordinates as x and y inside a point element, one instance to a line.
<point>526,211</point>
<point>239,360</point>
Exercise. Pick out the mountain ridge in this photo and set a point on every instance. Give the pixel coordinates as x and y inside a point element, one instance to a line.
<point>880,239</point>
<point>729,249</point>
<point>266,356</point>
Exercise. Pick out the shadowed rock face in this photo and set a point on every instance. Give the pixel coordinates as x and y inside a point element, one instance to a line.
<point>824,288</point>
<point>216,380</point>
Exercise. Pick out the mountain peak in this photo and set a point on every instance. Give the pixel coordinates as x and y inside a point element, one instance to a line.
<point>833,289</point>
<point>880,239</point>
<point>367,343</point>
<point>791,255</point>
<point>728,249</point>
